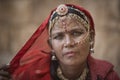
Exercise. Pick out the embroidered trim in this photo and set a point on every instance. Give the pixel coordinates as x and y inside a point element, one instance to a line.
<point>83,76</point>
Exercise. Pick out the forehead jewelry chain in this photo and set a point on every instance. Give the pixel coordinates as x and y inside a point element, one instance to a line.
<point>64,25</point>
<point>63,10</point>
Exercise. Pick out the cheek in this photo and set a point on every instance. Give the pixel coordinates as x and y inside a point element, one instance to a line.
<point>83,53</point>
<point>57,46</point>
<point>84,47</point>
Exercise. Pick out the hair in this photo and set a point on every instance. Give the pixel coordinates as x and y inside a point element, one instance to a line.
<point>53,69</point>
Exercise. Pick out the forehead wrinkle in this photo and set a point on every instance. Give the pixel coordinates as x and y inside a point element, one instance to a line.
<point>63,30</point>
<point>57,30</point>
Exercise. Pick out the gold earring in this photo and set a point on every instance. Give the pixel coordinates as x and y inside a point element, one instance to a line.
<point>53,55</point>
<point>91,47</point>
<point>91,50</point>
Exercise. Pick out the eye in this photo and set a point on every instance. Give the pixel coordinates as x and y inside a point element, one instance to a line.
<point>76,33</point>
<point>58,36</point>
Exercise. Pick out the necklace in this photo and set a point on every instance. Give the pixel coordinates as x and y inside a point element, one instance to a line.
<point>81,77</point>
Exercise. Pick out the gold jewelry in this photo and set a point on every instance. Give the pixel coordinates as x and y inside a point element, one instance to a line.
<point>53,55</point>
<point>63,10</point>
<point>82,76</point>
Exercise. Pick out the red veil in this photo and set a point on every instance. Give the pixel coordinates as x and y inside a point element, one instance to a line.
<point>32,62</point>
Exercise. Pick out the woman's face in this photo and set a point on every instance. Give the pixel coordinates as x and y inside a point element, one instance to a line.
<point>70,41</point>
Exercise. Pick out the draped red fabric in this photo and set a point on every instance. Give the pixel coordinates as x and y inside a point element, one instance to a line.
<point>32,62</point>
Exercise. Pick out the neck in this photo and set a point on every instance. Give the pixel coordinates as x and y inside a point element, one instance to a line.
<point>72,73</point>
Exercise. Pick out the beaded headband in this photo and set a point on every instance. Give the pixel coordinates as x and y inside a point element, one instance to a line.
<point>63,10</point>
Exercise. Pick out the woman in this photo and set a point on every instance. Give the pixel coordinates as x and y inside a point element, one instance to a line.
<point>61,49</point>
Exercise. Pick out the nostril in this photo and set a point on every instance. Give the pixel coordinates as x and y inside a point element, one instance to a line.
<point>69,43</point>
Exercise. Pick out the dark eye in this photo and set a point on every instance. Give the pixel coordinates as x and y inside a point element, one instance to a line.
<point>58,36</point>
<point>76,33</point>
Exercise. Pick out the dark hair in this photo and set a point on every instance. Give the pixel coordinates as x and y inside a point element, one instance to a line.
<point>53,69</point>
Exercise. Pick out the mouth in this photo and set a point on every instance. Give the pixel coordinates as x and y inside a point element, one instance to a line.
<point>70,54</point>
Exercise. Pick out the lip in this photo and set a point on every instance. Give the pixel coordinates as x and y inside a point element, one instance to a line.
<point>69,54</point>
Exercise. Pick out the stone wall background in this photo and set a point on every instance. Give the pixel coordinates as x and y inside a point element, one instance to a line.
<point>20,18</point>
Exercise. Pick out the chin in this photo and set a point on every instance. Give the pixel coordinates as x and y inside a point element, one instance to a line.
<point>73,63</point>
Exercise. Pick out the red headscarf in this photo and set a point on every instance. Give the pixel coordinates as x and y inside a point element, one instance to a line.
<point>32,62</point>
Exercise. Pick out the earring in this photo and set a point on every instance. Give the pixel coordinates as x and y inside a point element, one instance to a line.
<point>53,55</point>
<point>91,50</point>
<point>91,47</point>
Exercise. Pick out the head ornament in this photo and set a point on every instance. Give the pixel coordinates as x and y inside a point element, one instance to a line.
<point>72,12</point>
<point>62,10</point>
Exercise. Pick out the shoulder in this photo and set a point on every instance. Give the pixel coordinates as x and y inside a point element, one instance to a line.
<point>99,64</point>
<point>102,69</point>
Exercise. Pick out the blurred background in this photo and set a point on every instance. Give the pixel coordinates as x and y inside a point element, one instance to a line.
<point>20,18</point>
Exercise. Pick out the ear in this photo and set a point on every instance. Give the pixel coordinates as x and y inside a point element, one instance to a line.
<point>92,38</point>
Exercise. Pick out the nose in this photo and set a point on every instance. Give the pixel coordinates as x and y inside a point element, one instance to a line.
<point>69,42</point>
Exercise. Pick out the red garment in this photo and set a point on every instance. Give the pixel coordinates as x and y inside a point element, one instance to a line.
<point>101,70</point>
<point>32,62</point>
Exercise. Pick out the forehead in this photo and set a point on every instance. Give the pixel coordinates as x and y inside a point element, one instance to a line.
<point>68,23</point>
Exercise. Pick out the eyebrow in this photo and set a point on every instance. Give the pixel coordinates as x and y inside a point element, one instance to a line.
<point>63,31</point>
